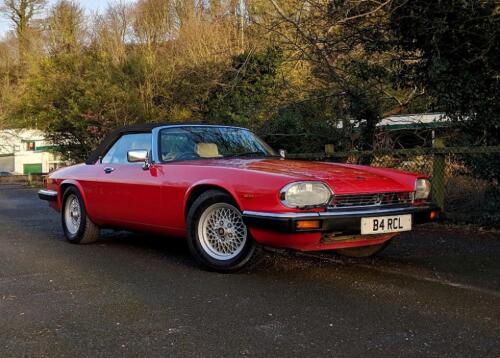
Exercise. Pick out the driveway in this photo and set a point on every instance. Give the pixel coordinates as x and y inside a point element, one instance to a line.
<point>433,292</point>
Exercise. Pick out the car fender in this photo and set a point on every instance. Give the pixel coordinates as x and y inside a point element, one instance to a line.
<point>80,189</point>
<point>214,183</point>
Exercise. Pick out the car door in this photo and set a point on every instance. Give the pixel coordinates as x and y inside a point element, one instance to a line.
<point>129,196</point>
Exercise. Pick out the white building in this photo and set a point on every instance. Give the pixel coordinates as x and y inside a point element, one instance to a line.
<point>406,131</point>
<point>25,151</point>
<point>407,121</point>
<point>415,121</point>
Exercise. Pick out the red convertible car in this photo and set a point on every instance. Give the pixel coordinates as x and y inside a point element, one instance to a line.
<point>230,194</point>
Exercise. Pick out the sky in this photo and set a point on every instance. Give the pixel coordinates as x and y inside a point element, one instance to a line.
<point>89,5</point>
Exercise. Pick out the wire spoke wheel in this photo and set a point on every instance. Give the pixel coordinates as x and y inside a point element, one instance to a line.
<point>72,214</point>
<point>221,231</point>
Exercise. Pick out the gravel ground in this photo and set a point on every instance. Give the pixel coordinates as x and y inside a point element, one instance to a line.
<point>433,292</point>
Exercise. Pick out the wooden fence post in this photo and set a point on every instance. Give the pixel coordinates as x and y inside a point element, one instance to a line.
<point>438,174</point>
<point>329,150</point>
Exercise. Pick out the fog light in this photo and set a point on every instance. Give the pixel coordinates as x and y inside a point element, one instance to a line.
<point>434,215</point>
<point>308,225</point>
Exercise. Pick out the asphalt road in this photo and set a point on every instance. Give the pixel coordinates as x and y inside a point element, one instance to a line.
<point>432,293</point>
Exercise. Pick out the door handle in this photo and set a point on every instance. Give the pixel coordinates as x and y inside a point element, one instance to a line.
<point>109,170</point>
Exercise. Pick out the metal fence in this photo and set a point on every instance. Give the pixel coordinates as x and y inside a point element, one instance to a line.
<point>466,180</point>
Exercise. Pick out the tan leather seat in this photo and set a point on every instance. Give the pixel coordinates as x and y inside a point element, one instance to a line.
<point>207,150</point>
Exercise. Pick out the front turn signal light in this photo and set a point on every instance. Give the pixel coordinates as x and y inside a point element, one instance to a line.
<point>308,224</point>
<point>434,215</point>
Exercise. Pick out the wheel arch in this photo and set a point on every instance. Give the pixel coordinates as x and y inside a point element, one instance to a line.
<point>197,189</point>
<point>68,183</point>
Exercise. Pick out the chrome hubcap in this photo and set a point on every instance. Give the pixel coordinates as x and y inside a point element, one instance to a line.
<point>72,214</point>
<point>222,232</point>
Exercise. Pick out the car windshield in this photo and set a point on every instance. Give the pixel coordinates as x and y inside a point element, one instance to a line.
<point>187,143</point>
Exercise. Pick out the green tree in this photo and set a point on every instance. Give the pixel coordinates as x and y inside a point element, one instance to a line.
<point>452,49</point>
<point>246,87</point>
<point>77,99</point>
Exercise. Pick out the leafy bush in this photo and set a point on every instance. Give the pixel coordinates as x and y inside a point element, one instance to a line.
<point>304,127</point>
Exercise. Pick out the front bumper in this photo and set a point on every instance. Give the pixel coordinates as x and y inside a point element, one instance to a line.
<point>49,195</point>
<point>346,221</point>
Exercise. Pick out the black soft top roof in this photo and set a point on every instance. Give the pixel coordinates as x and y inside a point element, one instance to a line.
<point>113,136</point>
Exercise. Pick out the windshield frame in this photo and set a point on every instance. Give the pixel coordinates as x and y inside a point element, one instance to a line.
<point>156,133</point>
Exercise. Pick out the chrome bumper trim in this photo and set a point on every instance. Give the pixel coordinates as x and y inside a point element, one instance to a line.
<point>49,195</point>
<point>339,213</point>
<point>264,214</point>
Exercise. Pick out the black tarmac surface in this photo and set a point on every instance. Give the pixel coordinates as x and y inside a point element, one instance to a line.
<point>431,293</point>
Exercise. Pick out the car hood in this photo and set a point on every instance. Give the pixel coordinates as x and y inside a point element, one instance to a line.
<point>342,178</point>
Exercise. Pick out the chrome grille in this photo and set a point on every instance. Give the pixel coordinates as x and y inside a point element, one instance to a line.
<point>375,199</point>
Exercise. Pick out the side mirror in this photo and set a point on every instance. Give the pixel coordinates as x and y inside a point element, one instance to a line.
<point>137,156</point>
<point>282,153</point>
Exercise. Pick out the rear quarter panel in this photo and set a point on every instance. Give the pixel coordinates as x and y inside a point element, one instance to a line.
<point>81,176</point>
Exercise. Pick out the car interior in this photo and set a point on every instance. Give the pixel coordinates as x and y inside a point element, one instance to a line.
<point>177,146</point>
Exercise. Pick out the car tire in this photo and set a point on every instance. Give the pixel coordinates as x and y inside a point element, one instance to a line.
<point>77,226</point>
<point>217,237</point>
<point>364,251</point>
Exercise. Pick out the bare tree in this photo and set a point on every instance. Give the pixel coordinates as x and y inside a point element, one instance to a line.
<point>22,14</point>
<point>113,29</point>
<point>349,48</point>
<point>154,22</point>
<point>65,26</point>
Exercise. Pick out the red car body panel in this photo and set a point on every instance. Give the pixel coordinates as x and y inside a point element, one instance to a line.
<point>157,199</point>
<point>312,241</point>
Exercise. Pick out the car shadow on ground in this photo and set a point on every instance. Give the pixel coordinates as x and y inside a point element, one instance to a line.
<point>269,259</point>
<point>169,247</point>
<point>412,248</point>
<point>440,255</point>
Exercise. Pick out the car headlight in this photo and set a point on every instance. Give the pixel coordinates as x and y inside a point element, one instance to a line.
<point>422,189</point>
<point>305,194</point>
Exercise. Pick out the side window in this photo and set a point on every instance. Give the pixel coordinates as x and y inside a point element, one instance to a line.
<point>117,154</point>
